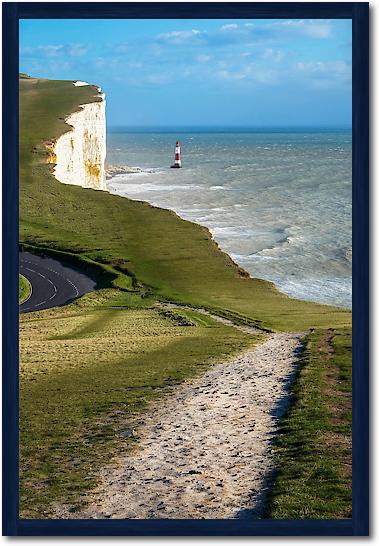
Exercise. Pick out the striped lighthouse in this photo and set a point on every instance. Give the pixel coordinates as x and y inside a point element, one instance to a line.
<point>177,163</point>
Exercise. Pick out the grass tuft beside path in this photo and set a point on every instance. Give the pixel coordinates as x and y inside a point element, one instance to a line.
<point>314,445</point>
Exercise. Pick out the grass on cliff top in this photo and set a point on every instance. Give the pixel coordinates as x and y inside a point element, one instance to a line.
<point>314,447</point>
<point>164,255</point>
<point>23,288</point>
<point>86,377</point>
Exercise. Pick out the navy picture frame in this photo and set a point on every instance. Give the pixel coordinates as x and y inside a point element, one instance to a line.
<point>359,524</point>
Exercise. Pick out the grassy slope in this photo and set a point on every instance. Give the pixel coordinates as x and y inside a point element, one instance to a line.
<point>314,450</point>
<point>85,374</point>
<point>173,258</point>
<point>23,288</point>
<point>84,365</point>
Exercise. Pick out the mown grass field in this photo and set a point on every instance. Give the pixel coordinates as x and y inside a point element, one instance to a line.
<point>23,288</point>
<point>88,370</point>
<point>87,375</point>
<point>165,256</point>
<point>314,446</point>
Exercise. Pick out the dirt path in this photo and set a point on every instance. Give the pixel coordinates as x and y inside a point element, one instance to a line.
<point>217,318</point>
<point>205,452</point>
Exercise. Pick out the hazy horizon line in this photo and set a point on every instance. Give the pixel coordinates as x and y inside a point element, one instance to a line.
<point>116,128</point>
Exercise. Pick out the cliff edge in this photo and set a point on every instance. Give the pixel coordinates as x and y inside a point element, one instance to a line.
<point>79,154</point>
<point>170,259</point>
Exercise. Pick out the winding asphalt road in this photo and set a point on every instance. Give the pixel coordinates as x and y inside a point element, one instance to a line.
<point>53,283</point>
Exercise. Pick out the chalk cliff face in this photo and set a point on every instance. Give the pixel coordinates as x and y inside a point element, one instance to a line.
<point>79,154</point>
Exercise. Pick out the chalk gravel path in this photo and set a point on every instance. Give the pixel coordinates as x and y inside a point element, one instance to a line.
<point>205,452</point>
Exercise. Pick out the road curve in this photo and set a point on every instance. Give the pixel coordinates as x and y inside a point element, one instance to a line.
<point>52,283</point>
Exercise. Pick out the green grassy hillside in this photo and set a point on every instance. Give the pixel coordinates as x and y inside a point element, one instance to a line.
<point>89,370</point>
<point>151,248</point>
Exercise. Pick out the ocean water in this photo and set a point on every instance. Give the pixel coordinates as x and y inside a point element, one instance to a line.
<point>279,202</point>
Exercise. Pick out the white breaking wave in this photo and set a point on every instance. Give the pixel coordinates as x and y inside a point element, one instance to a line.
<point>139,188</point>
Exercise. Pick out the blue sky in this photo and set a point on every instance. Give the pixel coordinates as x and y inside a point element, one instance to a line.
<point>201,72</point>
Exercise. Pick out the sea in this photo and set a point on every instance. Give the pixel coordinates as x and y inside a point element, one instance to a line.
<point>278,201</point>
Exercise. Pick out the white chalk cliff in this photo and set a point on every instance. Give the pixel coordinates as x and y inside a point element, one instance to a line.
<point>79,154</point>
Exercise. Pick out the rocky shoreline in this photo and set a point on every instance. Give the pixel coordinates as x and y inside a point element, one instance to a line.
<point>115,170</point>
